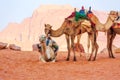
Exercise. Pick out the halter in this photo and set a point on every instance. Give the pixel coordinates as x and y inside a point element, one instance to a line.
<point>111,18</point>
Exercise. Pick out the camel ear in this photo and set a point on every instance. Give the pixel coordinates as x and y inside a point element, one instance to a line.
<point>50,26</point>
<point>45,25</point>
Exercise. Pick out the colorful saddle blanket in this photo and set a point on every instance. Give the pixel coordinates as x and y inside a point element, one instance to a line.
<point>90,15</point>
<point>80,16</point>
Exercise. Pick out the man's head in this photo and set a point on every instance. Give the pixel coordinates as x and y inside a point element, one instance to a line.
<point>90,8</point>
<point>42,38</point>
<point>82,7</point>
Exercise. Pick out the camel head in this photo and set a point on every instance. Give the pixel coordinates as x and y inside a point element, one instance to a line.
<point>113,15</point>
<point>47,29</point>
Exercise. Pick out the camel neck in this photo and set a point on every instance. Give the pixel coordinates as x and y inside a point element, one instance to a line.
<point>59,31</point>
<point>103,27</point>
<point>108,23</point>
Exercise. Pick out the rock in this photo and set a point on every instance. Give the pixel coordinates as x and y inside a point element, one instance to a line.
<point>31,27</point>
<point>3,45</point>
<point>105,50</point>
<point>14,47</point>
<point>79,48</point>
<point>117,50</point>
<point>35,47</point>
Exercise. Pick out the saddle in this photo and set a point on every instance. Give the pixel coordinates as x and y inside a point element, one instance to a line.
<point>116,25</point>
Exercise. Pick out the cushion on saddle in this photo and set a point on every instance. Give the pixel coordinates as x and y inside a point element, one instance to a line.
<point>90,15</point>
<point>87,23</point>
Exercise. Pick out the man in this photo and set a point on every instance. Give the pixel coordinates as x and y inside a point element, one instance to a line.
<point>48,49</point>
<point>82,14</point>
<point>52,43</point>
<point>72,14</point>
<point>89,13</point>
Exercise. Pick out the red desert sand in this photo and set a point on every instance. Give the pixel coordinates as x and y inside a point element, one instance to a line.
<point>25,65</point>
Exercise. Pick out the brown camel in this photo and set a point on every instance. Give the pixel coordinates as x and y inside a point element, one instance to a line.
<point>71,29</point>
<point>111,33</point>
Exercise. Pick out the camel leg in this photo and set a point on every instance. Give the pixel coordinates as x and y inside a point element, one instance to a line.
<point>68,46</point>
<point>78,42</point>
<point>88,46</point>
<point>112,38</point>
<point>73,46</point>
<point>108,42</point>
<point>92,41</point>
<point>78,38</point>
<point>96,45</point>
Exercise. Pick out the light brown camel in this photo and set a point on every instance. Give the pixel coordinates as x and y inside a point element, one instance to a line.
<point>111,33</point>
<point>98,25</point>
<point>70,30</point>
<point>46,53</point>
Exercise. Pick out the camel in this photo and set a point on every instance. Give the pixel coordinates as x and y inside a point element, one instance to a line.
<point>70,30</point>
<point>47,54</point>
<point>111,33</point>
<point>98,25</point>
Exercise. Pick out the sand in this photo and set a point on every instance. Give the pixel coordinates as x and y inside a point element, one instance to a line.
<point>25,65</point>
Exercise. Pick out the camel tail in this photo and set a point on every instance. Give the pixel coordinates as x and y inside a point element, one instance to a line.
<point>95,35</point>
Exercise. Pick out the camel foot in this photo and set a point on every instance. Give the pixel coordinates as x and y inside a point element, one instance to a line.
<point>93,59</point>
<point>110,56</point>
<point>89,59</point>
<point>67,59</point>
<point>80,55</point>
<point>113,57</point>
<point>74,59</point>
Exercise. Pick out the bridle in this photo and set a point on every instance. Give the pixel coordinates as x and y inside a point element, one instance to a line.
<point>111,18</point>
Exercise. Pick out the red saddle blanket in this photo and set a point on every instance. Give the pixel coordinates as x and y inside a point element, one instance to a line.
<point>116,25</point>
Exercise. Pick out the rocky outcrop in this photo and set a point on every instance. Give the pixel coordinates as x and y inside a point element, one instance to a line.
<point>3,45</point>
<point>14,47</point>
<point>105,50</point>
<point>79,48</point>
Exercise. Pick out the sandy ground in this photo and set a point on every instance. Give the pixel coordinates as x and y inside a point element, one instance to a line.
<point>25,65</point>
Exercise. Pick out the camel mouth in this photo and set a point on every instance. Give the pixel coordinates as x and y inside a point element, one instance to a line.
<point>48,35</point>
